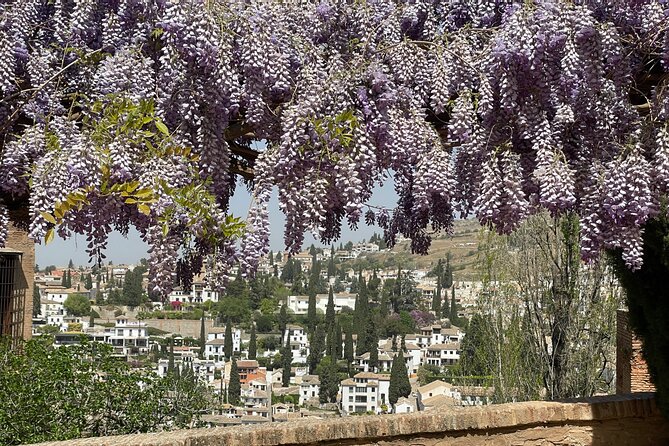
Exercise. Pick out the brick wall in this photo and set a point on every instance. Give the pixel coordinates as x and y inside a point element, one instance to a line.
<point>631,368</point>
<point>612,420</point>
<point>17,238</point>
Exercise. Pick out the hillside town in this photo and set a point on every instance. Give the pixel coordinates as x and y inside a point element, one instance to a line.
<point>297,341</point>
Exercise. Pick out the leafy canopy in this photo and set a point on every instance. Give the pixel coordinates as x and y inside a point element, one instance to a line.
<point>112,116</point>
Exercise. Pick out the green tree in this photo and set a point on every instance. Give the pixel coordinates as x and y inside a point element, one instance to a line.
<point>37,301</point>
<point>454,318</point>
<point>338,349</point>
<point>70,264</point>
<point>330,312</point>
<point>312,316</point>
<point>447,279</point>
<point>436,300</point>
<point>271,258</point>
<point>234,385</point>
<point>88,284</point>
<point>286,364</point>
<point>253,343</point>
<point>133,292</point>
<point>475,349</point>
<point>227,342</point>
<point>203,338</point>
<point>39,376</point>
<point>329,380</point>
<point>372,340</point>
<point>283,319</point>
<point>233,310</point>
<point>317,346</point>
<point>238,288</point>
<point>361,317</point>
<point>77,305</point>
<point>445,307</point>
<point>348,348</point>
<point>399,380</point>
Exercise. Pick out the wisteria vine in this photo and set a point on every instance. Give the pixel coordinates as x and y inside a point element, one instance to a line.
<point>119,113</point>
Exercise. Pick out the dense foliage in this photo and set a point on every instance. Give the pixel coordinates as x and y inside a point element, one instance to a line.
<point>58,393</point>
<point>136,112</point>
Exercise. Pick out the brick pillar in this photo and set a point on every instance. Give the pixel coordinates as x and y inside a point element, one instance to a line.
<point>631,369</point>
<point>17,238</point>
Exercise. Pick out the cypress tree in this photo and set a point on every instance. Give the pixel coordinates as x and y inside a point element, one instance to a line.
<point>404,344</point>
<point>235,387</point>
<point>286,363</point>
<point>311,312</point>
<point>329,380</point>
<point>399,380</point>
<point>372,345</point>
<point>227,342</point>
<point>348,348</point>
<point>37,301</point>
<point>203,338</point>
<point>445,307</point>
<point>69,279</point>
<point>88,284</point>
<point>361,317</point>
<point>63,280</point>
<point>338,345</point>
<point>271,258</point>
<point>283,319</point>
<point>253,343</point>
<point>316,347</point>
<point>436,300</point>
<point>454,309</point>
<point>330,312</point>
<point>448,273</point>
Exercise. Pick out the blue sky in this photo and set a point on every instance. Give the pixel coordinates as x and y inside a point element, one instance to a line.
<point>132,248</point>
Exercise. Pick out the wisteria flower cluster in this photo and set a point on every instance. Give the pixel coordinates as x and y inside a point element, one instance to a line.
<point>141,113</point>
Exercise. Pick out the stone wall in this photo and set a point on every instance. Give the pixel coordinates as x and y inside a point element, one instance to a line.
<point>184,327</point>
<point>17,238</point>
<point>631,368</point>
<point>611,420</point>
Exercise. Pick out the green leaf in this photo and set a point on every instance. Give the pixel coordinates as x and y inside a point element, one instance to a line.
<point>144,209</point>
<point>48,217</point>
<point>162,128</point>
<point>49,236</point>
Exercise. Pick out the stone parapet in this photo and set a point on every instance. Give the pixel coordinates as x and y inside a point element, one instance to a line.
<point>610,420</point>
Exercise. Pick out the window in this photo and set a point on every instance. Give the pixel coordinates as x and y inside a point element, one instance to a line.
<point>350,399</point>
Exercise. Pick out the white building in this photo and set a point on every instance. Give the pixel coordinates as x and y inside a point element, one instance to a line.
<point>441,355</point>
<point>385,362</point>
<point>129,337</point>
<point>58,294</point>
<point>360,248</point>
<point>299,342</point>
<point>365,392</point>
<point>309,389</point>
<point>435,334</point>
<point>300,304</point>
<point>219,333</point>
